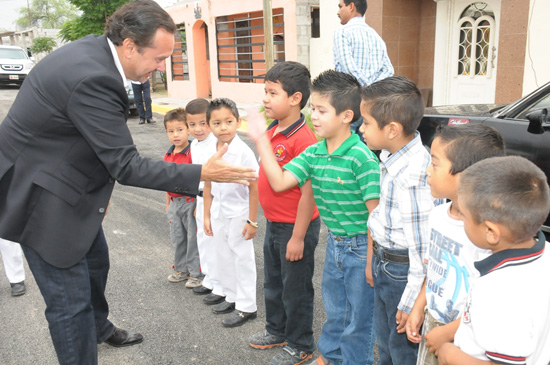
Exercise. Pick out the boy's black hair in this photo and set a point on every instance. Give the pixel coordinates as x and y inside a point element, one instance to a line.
<point>511,191</point>
<point>221,103</point>
<point>360,5</point>
<point>342,90</point>
<point>178,114</point>
<point>395,99</point>
<point>293,77</point>
<point>469,143</point>
<point>197,106</point>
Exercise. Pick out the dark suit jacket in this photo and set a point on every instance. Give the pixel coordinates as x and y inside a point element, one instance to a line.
<point>63,145</point>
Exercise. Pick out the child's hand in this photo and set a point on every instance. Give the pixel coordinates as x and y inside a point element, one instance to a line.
<point>437,337</point>
<point>413,326</point>
<point>249,232</point>
<point>294,249</point>
<point>401,320</point>
<point>208,227</point>
<point>256,124</point>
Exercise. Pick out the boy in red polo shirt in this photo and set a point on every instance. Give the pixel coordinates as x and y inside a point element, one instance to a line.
<point>180,208</point>
<point>293,223</point>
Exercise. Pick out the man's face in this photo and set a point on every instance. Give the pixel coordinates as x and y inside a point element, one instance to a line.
<point>344,12</point>
<point>140,63</point>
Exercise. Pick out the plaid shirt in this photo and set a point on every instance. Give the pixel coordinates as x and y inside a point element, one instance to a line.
<point>359,51</point>
<point>401,219</point>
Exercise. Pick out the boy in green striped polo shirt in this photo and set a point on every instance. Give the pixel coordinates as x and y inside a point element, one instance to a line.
<point>345,177</point>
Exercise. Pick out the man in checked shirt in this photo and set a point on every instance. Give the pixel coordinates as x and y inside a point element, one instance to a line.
<point>358,49</point>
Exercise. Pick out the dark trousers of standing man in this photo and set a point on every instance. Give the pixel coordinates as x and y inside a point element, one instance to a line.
<point>142,97</point>
<point>76,308</point>
<point>288,285</point>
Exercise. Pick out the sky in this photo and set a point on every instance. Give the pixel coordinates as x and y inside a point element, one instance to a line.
<point>10,11</point>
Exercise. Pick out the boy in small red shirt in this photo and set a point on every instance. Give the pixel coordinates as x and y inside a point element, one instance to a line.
<point>180,208</point>
<point>293,223</point>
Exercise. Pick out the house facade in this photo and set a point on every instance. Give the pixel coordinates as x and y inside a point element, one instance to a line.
<point>457,51</point>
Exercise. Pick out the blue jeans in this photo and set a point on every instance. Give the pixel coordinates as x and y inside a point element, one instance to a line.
<point>76,308</point>
<point>142,97</point>
<point>390,280</point>
<point>348,334</point>
<point>288,285</point>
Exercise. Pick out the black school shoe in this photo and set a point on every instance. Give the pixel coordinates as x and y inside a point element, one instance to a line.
<point>201,290</point>
<point>223,307</point>
<point>18,289</point>
<point>212,299</point>
<point>238,318</point>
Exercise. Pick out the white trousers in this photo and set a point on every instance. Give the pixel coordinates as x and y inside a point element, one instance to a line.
<point>207,253</point>
<point>236,262</point>
<point>12,256</point>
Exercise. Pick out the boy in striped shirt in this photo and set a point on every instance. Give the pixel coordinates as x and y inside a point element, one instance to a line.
<point>345,178</point>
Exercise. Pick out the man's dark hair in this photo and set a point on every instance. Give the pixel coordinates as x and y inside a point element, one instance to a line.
<point>394,99</point>
<point>511,191</point>
<point>139,21</point>
<point>221,103</point>
<point>342,90</point>
<point>293,77</point>
<point>469,143</point>
<point>197,106</point>
<point>360,5</point>
<point>178,114</point>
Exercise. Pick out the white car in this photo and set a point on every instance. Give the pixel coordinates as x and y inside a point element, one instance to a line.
<point>15,65</point>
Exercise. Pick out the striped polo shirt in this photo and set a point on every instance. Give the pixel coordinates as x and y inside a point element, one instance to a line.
<point>342,182</point>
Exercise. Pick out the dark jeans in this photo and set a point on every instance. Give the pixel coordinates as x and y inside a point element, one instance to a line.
<point>390,280</point>
<point>288,285</point>
<point>76,308</point>
<point>142,97</point>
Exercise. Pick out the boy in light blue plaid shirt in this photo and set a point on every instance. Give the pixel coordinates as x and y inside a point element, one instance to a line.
<point>392,109</point>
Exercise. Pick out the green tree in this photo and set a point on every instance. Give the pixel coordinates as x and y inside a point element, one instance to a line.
<point>43,44</point>
<point>94,14</point>
<point>51,14</point>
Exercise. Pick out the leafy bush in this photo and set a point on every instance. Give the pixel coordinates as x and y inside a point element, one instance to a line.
<point>43,44</point>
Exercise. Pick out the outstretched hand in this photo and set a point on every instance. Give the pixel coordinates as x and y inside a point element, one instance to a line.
<point>218,170</point>
<point>256,124</point>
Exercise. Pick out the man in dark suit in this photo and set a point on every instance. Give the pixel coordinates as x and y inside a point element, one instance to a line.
<point>63,145</point>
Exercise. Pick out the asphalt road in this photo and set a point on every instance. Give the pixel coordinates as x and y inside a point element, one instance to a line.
<point>177,327</point>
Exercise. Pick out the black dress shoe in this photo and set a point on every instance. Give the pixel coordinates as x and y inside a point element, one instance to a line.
<point>151,121</point>
<point>238,318</point>
<point>212,299</point>
<point>18,289</point>
<point>224,307</point>
<point>121,338</point>
<point>201,290</point>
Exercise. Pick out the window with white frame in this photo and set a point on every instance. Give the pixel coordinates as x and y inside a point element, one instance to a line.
<point>476,37</point>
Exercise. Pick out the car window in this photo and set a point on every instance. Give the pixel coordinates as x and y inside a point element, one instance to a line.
<point>537,105</point>
<point>14,54</point>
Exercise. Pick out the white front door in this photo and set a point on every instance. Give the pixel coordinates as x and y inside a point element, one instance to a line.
<point>473,52</point>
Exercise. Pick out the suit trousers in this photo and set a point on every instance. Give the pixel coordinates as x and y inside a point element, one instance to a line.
<point>236,262</point>
<point>142,97</point>
<point>76,308</point>
<point>13,261</point>
<point>207,253</point>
